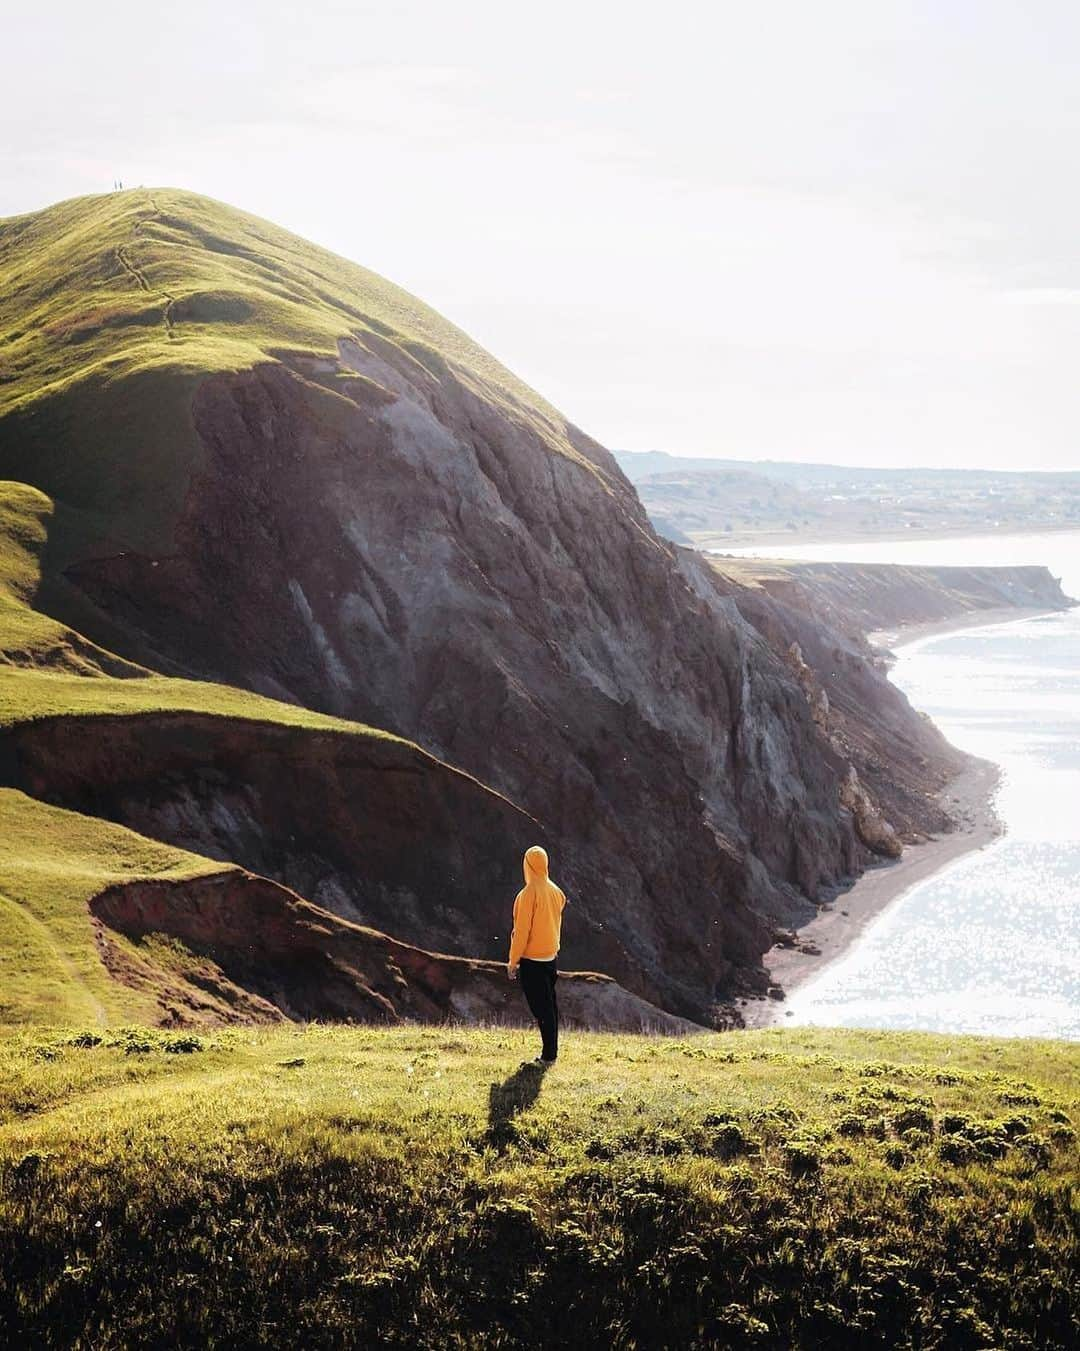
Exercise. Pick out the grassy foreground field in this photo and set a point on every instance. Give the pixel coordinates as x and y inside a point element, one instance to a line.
<point>341,1187</point>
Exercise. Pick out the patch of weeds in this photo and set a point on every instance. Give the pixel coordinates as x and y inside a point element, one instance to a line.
<point>740,1179</point>
<point>774,1122</point>
<point>660,1140</point>
<point>877,1069</point>
<point>30,1163</point>
<point>1023,1095</point>
<point>728,1140</point>
<point>914,1138</point>
<point>913,1117</point>
<point>955,1149</point>
<point>185,1043</point>
<point>608,1103</point>
<point>134,1040</point>
<point>84,1041</point>
<point>919,1191</point>
<point>718,1118</point>
<point>802,1155</point>
<point>1036,1149</point>
<point>738,1326</point>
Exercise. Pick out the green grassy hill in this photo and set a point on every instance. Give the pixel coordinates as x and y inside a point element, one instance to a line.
<point>52,863</point>
<point>339,1188</point>
<point>114,307</point>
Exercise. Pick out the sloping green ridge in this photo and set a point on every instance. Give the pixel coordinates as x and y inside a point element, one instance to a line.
<point>112,308</point>
<point>52,863</point>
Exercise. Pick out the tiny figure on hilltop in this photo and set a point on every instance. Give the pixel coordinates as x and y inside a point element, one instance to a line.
<point>534,947</point>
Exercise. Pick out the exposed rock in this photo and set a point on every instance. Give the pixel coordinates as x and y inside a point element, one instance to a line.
<point>874,831</point>
<point>901,760</point>
<point>255,951</point>
<point>816,697</point>
<point>335,817</point>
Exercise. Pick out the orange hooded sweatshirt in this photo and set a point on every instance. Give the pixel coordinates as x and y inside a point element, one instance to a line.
<point>538,911</point>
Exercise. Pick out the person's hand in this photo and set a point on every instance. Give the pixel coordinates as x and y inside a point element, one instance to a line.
<point>511,971</point>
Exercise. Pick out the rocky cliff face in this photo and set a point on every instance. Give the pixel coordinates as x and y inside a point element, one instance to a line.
<point>856,599</point>
<point>900,760</point>
<point>818,615</point>
<point>412,557</point>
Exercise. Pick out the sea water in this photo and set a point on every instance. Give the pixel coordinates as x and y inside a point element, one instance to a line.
<point>991,943</point>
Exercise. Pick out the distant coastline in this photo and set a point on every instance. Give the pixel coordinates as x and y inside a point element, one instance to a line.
<point>779,505</point>
<point>737,541</point>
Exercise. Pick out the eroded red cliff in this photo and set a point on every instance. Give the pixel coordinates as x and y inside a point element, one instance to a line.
<point>249,950</point>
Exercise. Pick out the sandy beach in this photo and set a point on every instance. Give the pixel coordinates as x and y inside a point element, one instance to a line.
<point>891,639</point>
<point>968,799</point>
<point>841,920</point>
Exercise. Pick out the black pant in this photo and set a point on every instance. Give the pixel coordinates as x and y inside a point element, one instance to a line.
<point>538,982</point>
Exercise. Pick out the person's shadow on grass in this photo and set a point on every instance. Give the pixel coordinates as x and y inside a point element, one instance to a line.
<point>508,1099</point>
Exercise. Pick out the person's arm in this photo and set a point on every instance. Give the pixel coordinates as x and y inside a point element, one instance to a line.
<point>523,918</point>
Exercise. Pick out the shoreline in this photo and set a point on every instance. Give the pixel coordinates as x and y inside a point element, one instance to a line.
<point>907,635</point>
<point>845,916</point>
<point>847,913</point>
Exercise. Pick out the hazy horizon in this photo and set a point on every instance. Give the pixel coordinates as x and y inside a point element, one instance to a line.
<point>839,234</point>
<point>913,467</point>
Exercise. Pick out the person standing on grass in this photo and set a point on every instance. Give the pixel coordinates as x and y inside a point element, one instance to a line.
<point>534,947</point>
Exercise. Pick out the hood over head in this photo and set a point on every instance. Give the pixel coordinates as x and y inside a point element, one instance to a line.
<point>535,864</point>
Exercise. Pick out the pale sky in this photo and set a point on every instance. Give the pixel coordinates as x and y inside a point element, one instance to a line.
<point>844,231</point>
